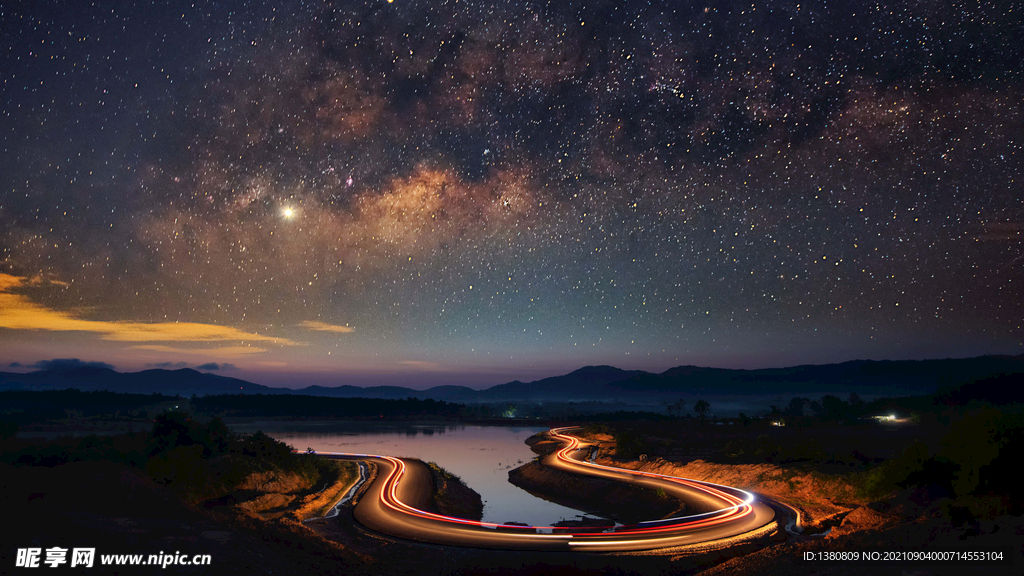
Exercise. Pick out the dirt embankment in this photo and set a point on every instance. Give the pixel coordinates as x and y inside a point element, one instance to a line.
<point>269,493</point>
<point>319,503</point>
<point>821,500</point>
<point>623,502</point>
<point>120,510</point>
<point>452,497</point>
<point>906,522</point>
<point>274,494</point>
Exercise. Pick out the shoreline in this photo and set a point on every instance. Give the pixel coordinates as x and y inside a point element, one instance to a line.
<point>605,498</point>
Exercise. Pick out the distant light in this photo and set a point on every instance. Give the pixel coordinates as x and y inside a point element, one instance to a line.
<point>288,213</point>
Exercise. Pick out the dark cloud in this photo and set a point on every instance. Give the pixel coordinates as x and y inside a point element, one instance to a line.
<point>216,366</point>
<point>169,365</point>
<point>61,364</point>
<point>15,365</point>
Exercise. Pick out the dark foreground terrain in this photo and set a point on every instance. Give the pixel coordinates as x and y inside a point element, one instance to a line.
<point>938,478</point>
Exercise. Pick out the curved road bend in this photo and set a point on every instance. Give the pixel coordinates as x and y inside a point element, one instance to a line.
<point>395,503</point>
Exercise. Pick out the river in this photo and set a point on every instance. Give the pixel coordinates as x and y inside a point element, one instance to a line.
<point>480,455</point>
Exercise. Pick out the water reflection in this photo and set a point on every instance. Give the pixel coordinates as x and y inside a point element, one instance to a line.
<point>480,455</point>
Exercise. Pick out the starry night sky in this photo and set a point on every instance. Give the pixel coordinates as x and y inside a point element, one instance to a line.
<point>423,192</point>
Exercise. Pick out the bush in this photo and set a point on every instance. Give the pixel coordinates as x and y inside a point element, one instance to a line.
<point>628,445</point>
<point>182,464</point>
<point>260,446</point>
<point>984,448</point>
<point>899,472</point>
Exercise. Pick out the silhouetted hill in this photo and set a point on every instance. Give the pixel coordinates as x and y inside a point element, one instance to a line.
<point>863,376</point>
<point>453,393</point>
<point>997,389</point>
<point>79,372</point>
<point>184,382</point>
<point>586,383</point>
<point>590,383</point>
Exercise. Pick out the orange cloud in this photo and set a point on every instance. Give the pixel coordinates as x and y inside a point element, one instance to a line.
<point>324,327</point>
<point>220,352</point>
<point>7,282</point>
<point>421,365</point>
<point>18,312</point>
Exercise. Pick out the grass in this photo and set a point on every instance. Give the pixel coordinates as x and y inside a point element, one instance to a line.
<point>444,473</point>
<point>345,475</point>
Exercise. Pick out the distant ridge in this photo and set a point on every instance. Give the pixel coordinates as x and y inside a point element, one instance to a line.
<point>590,383</point>
<point>582,383</point>
<point>183,382</point>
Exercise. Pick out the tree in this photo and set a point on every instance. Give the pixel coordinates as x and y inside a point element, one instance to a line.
<point>8,430</point>
<point>628,444</point>
<point>796,407</point>
<point>835,408</point>
<point>172,429</point>
<point>701,407</point>
<point>217,437</point>
<point>855,401</point>
<point>260,445</point>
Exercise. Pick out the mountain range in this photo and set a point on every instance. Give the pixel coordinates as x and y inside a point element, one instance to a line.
<point>590,383</point>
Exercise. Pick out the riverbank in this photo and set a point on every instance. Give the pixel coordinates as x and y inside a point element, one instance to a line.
<point>624,503</point>
<point>814,503</point>
<point>836,516</point>
<point>119,509</point>
<point>452,497</point>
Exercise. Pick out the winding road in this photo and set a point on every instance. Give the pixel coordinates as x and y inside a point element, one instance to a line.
<point>394,504</point>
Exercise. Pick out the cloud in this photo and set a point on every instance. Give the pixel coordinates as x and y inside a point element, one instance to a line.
<point>215,366</point>
<point>219,352</point>
<point>39,280</point>
<point>182,332</point>
<point>168,365</point>
<point>68,364</point>
<point>7,282</point>
<point>14,365</point>
<point>17,312</point>
<point>324,327</point>
<point>421,365</point>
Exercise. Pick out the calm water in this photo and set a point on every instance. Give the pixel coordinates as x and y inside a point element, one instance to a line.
<point>480,455</point>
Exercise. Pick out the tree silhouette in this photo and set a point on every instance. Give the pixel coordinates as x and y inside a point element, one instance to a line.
<point>835,409</point>
<point>701,407</point>
<point>796,407</point>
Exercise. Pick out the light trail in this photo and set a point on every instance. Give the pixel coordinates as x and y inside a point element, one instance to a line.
<point>738,512</point>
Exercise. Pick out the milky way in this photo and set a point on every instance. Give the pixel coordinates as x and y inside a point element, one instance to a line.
<point>468,191</point>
